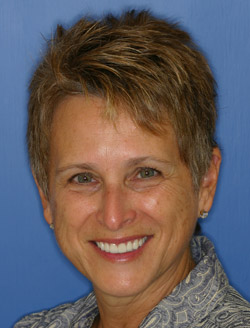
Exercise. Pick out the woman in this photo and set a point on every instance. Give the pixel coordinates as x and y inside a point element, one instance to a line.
<point>121,143</point>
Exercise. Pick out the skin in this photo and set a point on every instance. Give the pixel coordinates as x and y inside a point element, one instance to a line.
<point>99,190</point>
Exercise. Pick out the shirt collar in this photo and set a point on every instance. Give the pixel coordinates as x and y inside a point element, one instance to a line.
<point>196,295</point>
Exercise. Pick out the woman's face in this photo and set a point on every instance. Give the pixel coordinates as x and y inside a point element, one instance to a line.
<point>121,200</point>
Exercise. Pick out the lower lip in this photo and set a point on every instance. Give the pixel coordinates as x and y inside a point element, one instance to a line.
<point>124,257</point>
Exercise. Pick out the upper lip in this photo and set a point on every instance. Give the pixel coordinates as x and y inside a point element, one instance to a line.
<point>120,240</point>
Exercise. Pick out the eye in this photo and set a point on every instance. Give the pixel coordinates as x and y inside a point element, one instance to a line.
<point>147,172</point>
<point>83,178</point>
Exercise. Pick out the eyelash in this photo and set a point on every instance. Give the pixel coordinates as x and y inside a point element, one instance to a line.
<point>148,169</point>
<point>83,174</point>
<point>138,172</point>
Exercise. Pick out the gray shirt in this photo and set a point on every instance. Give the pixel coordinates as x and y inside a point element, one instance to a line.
<point>204,299</point>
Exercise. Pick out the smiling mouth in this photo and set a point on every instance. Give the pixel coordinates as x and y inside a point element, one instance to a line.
<point>121,248</point>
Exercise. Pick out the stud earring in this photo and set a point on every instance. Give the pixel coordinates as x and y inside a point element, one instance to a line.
<point>203,214</point>
<point>51,226</point>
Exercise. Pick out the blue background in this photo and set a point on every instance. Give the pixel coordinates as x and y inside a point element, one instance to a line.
<point>33,273</point>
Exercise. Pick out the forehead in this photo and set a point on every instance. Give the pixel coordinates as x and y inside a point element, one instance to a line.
<point>98,109</point>
<point>79,124</point>
<point>88,111</point>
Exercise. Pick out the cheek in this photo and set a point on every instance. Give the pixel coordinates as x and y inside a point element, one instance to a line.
<point>73,218</point>
<point>170,204</point>
<point>72,209</point>
<point>69,218</point>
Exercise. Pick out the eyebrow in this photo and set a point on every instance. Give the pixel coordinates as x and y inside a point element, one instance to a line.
<point>130,163</point>
<point>138,160</point>
<point>81,166</point>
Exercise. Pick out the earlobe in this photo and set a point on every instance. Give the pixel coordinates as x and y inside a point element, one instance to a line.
<point>45,203</point>
<point>209,182</point>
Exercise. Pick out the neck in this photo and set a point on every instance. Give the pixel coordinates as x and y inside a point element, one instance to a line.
<point>129,311</point>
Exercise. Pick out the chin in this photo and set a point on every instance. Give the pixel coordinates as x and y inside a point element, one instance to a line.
<point>120,288</point>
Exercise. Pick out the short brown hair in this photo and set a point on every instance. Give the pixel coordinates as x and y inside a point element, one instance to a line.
<point>147,63</point>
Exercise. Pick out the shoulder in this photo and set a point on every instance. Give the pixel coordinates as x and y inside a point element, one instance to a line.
<point>63,315</point>
<point>233,311</point>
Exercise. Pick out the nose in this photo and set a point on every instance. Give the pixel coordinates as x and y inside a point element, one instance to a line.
<point>116,208</point>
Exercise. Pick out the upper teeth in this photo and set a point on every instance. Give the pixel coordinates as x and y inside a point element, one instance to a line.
<point>121,248</point>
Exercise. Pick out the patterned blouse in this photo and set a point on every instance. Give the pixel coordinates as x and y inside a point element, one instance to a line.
<point>204,299</point>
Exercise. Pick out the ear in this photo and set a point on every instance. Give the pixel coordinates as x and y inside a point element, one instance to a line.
<point>45,203</point>
<point>209,182</point>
